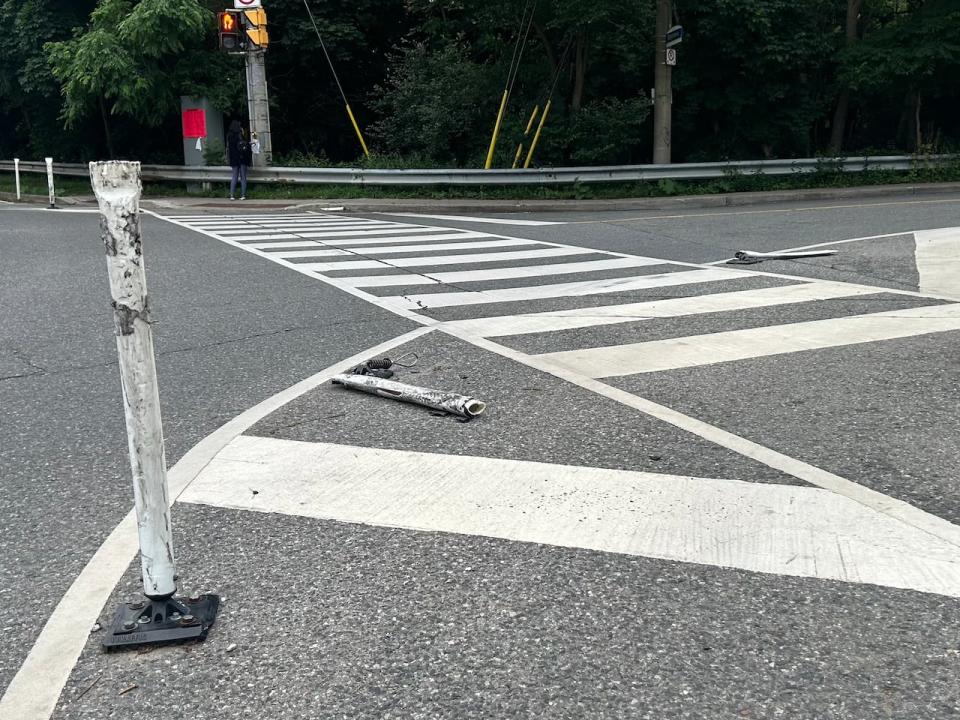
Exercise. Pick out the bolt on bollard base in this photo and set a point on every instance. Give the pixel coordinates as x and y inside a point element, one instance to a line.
<point>174,619</point>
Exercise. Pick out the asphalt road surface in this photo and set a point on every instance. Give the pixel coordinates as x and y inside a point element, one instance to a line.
<point>700,489</point>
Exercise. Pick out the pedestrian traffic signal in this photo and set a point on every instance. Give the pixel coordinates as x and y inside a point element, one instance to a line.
<point>231,38</point>
<point>255,24</point>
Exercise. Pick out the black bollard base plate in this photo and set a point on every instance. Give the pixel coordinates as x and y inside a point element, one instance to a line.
<point>175,619</point>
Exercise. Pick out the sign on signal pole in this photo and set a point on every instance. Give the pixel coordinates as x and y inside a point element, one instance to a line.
<point>246,4</point>
<point>674,35</point>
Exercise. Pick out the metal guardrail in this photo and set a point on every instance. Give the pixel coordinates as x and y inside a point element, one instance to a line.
<point>544,176</point>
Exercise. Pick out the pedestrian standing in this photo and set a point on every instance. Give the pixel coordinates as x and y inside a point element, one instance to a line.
<point>239,155</point>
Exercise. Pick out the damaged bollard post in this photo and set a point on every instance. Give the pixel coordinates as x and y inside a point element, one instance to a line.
<point>448,402</point>
<point>50,189</point>
<point>161,617</point>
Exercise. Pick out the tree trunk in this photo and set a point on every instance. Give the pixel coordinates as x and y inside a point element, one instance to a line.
<point>579,73</point>
<point>843,102</point>
<point>546,46</point>
<point>918,140</point>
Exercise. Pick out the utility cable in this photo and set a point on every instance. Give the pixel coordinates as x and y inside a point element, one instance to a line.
<point>336,78</point>
<point>518,48</point>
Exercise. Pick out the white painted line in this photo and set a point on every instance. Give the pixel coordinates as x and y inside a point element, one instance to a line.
<point>287,254</point>
<point>359,234</point>
<point>401,240</point>
<point>311,227</point>
<point>574,289</point>
<point>472,258</point>
<point>288,244</point>
<point>35,689</point>
<point>292,227</point>
<point>787,530</point>
<point>694,351</point>
<point>264,216</point>
<point>349,265</point>
<point>466,259</point>
<point>669,308</point>
<point>395,249</point>
<point>527,271</point>
<point>938,261</point>
<point>902,511</point>
<point>492,221</point>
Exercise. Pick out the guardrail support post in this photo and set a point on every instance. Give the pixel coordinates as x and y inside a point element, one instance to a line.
<point>160,617</point>
<point>16,175</point>
<point>50,189</point>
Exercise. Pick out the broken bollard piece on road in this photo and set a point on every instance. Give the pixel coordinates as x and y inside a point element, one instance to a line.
<point>462,405</point>
<point>749,257</point>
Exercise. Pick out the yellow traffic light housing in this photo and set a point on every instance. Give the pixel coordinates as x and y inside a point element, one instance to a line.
<point>255,23</point>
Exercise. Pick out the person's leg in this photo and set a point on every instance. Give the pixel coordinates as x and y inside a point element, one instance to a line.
<point>243,181</point>
<point>233,182</point>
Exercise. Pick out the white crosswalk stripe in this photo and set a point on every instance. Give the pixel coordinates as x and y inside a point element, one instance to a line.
<point>404,255</point>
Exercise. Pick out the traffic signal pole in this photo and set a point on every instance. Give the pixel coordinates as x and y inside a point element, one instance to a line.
<point>258,106</point>
<point>663,88</point>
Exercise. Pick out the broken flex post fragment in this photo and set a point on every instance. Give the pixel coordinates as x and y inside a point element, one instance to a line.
<point>453,403</point>
<point>751,257</point>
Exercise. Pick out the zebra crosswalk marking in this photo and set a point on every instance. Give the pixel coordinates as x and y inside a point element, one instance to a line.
<point>465,276</point>
<point>673,307</point>
<point>684,352</point>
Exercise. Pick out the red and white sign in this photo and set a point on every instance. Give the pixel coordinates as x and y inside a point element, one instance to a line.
<point>246,4</point>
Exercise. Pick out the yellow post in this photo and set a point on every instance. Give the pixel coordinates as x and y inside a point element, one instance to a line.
<point>496,132</point>
<point>536,138</point>
<point>356,127</point>
<point>533,116</point>
<point>516,158</point>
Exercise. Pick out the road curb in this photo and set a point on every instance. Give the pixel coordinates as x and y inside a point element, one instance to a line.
<point>432,205</point>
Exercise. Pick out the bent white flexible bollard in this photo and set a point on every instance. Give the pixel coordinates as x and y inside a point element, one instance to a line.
<point>453,403</point>
<point>162,617</point>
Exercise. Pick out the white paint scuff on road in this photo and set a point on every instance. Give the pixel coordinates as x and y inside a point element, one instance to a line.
<point>35,689</point>
<point>697,350</point>
<point>938,261</point>
<point>788,530</point>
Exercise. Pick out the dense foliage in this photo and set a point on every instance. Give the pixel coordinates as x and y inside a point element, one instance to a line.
<point>756,78</point>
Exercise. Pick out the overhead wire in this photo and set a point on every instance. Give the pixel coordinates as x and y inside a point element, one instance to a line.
<point>333,70</point>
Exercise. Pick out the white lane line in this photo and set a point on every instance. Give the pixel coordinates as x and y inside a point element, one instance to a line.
<point>466,259</point>
<point>782,529</point>
<point>401,240</point>
<point>902,511</point>
<point>275,227</point>
<point>670,308</point>
<point>526,271</point>
<point>288,244</point>
<point>35,689</point>
<point>478,245</point>
<point>266,216</point>
<point>573,289</point>
<point>938,261</point>
<point>359,235</point>
<point>305,220</point>
<point>388,249</point>
<point>492,221</point>
<point>697,350</point>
